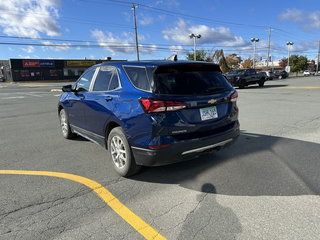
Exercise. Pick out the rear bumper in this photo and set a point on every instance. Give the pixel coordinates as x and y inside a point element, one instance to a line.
<point>185,150</point>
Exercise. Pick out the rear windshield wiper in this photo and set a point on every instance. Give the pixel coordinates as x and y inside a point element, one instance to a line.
<point>214,89</point>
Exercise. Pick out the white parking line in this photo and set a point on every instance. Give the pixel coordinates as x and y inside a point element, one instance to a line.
<point>33,95</point>
<point>12,97</point>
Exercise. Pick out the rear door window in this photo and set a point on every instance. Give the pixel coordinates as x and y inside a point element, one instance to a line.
<point>189,80</point>
<point>138,77</point>
<point>107,79</point>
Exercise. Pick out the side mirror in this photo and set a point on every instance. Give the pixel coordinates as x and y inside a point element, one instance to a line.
<point>67,88</point>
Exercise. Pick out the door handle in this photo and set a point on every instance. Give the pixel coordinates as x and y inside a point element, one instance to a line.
<point>108,99</point>
<point>81,98</point>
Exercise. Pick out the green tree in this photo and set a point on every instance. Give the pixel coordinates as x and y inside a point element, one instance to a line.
<point>247,63</point>
<point>202,55</point>
<point>298,63</point>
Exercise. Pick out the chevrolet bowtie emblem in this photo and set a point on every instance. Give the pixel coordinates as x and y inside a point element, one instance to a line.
<point>212,101</point>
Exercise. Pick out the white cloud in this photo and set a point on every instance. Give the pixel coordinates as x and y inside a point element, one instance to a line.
<point>25,57</point>
<point>219,35</point>
<point>28,49</point>
<point>307,20</point>
<point>91,57</point>
<point>145,20</point>
<point>121,44</point>
<point>29,18</point>
<point>60,47</point>
<point>168,3</point>
<point>176,49</point>
<point>301,47</point>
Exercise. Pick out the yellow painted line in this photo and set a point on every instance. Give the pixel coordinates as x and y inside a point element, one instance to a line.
<point>130,217</point>
<point>300,87</point>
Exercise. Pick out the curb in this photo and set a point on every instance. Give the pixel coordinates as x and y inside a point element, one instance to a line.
<point>55,90</point>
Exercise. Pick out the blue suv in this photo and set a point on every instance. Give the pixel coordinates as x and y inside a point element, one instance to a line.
<point>151,113</point>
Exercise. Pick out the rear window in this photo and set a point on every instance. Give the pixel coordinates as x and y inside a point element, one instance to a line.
<point>189,80</point>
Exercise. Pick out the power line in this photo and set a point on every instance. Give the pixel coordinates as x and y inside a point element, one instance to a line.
<point>103,42</point>
<point>173,13</point>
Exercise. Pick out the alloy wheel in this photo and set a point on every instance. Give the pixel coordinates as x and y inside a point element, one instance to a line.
<point>64,123</point>
<point>118,152</point>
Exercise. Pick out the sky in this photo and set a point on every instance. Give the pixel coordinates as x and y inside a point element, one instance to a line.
<point>97,29</point>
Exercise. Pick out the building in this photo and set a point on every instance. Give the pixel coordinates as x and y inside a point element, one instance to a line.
<point>272,65</point>
<point>45,69</point>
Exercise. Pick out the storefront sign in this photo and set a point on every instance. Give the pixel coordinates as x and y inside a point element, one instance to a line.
<point>46,63</point>
<point>30,63</point>
<point>80,63</point>
<point>37,63</point>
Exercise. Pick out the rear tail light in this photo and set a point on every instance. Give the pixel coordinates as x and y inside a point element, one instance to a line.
<point>233,97</point>
<point>151,105</point>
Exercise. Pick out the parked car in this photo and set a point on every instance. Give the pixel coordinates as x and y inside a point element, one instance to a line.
<point>269,74</point>
<point>151,113</point>
<point>245,77</point>
<point>1,79</point>
<point>280,74</point>
<point>308,73</point>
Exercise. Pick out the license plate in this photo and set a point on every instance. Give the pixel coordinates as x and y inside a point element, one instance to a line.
<point>208,113</point>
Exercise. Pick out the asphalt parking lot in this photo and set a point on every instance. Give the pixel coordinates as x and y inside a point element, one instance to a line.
<point>266,186</point>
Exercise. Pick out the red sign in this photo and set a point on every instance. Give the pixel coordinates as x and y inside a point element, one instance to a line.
<point>30,63</point>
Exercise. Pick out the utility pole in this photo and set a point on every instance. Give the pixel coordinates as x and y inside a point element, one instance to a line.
<point>135,29</point>
<point>269,46</point>
<point>318,56</point>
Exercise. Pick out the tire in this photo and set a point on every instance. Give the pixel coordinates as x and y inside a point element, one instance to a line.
<point>261,83</point>
<point>64,124</point>
<point>120,153</point>
<point>242,83</point>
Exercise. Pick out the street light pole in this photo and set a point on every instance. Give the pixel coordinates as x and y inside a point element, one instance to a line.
<point>194,36</point>
<point>289,44</point>
<point>318,57</point>
<point>254,40</point>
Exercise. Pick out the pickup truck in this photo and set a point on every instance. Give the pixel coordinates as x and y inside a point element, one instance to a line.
<point>245,77</point>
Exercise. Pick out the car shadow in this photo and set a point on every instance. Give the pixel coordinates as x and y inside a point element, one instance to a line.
<point>255,165</point>
<point>210,217</point>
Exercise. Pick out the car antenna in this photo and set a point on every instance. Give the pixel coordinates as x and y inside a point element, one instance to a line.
<point>173,57</point>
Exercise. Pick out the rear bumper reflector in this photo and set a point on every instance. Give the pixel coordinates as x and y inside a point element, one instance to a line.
<point>219,144</point>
